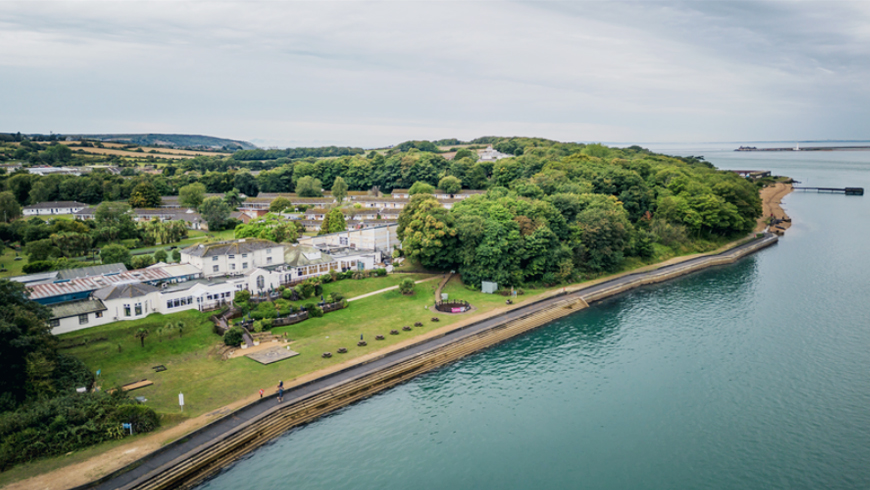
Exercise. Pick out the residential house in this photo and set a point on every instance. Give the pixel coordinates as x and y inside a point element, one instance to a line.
<point>53,207</point>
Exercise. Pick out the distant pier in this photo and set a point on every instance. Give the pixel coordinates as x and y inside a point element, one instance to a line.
<point>849,191</point>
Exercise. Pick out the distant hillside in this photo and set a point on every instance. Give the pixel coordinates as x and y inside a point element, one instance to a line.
<point>171,140</point>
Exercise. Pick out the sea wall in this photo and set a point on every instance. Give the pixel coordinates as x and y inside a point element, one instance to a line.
<point>189,466</point>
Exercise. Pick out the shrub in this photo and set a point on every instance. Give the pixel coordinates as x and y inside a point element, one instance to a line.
<point>176,255</point>
<point>362,343</point>
<point>258,326</point>
<point>406,328</point>
<point>318,289</point>
<point>335,297</point>
<point>305,290</point>
<point>418,324</point>
<point>287,294</point>
<point>160,256</point>
<point>407,286</point>
<point>342,350</point>
<point>38,266</point>
<point>315,312</point>
<point>242,296</point>
<point>394,332</point>
<point>266,309</point>
<point>326,355</point>
<point>326,278</point>
<point>284,307</point>
<point>234,337</point>
<point>143,418</point>
<point>267,323</point>
<point>379,337</point>
<point>380,272</point>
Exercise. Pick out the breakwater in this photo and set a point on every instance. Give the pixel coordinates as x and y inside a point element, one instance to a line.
<point>186,462</point>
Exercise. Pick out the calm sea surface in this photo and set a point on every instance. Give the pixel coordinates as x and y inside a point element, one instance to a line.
<point>755,375</point>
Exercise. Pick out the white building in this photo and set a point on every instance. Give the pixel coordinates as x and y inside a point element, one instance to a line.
<point>381,238</point>
<point>234,257</point>
<point>491,155</point>
<point>53,207</point>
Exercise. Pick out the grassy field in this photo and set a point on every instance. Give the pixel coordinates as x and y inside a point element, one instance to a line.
<point>351,288</point>
<point>195,369</point>
<point>12,267</point>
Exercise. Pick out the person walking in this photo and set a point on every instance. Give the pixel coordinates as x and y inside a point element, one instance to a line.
<point>280,391</point>
<point>261,392</point>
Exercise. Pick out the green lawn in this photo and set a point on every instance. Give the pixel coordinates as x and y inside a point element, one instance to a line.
<point>351,288</point>
<point>208,382</point>
<point>8,262</point>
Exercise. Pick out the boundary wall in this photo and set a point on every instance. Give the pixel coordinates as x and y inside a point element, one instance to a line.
<point>189,461</point>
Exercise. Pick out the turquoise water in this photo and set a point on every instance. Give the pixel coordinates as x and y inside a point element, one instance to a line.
<point>748,376</point>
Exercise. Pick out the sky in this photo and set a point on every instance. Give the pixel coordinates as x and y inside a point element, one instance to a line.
<point>372,74</point>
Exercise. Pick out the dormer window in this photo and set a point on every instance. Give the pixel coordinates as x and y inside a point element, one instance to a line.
<point>214,259</point>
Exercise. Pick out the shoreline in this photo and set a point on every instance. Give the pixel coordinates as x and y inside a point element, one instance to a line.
<point>771,205</point>
<point>114,459</point>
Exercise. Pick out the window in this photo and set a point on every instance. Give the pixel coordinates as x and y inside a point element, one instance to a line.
<point>232,267</point>
<point>244,265</point>
<point>126,310</point>
<point>176,303</point>
<point>231,257</point>
<point>54,323</point>
<point>215,268</point>
<point>268,250</point>
<point>214,259</point>
<point>261,282</point>
<point>138,309</point>
<point>98,314</point>
<point>268,260</point>
<point>83,319</point>
<point>169,303</point>
<point>244,256</point>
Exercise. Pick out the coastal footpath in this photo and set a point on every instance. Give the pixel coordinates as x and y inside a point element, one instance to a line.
<point>187,462</point>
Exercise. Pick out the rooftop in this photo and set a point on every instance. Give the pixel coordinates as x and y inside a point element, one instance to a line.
<point>303,255</point>
<point>56,204</point>
<point>129,290</point>
<point>76,308</point>
<point>244,245</point>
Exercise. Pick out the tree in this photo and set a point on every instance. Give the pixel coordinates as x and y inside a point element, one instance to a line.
<point>145,195</point>
<point>339,189</point>
<point>176,255</point>
<point>25,342</point>
<point>246,184</point>
<point>270,227</point>
<point>233,198</point>
<point>333,222</point>
<point>72,244</point>
<point>450,184</point>
<point>141,334</point>
<point>407,286</point>
<point>280,204</point>
<point>115,254</point>
<point>308,186</point>
<point>421,187</point>
<point>9,207</point>
<point>191,195</point>
<point>160,256</point>
<point>179,325</point>
<point>142,261</point>
<point>215,212</point>
<point>37,250</point>
<point>430,235</point>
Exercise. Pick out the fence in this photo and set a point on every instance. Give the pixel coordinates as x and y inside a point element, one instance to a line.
<point>453,306</point>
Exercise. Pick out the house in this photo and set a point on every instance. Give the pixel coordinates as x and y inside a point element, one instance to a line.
<point>490,155</point>
<point>316,214</point>
<point>233,257</point>
<point>381,237</point>
<point>76,315</point>
<point>53,207</point>
<point>191,218</point>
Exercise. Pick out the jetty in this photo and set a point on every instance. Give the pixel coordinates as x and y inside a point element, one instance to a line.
<point>190,460</point>
<point>849,191</point>
<point>808,148</point>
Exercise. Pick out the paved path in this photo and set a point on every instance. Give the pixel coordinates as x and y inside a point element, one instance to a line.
<point>200,439</point>
<point>379,291</point>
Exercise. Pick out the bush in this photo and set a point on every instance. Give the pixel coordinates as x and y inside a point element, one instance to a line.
<point>407,286</point>
<point>38,266</point>
<point>242,296</point>
<point>315,312</point>
<point>258,326</point>
<point>287,294</point>
<point>325,279</point>
<point>176,255</point>
<point>380,272</point>
<point>335,297</point>
<point>160,256</point>
<point>234,337</point>
<point>266,309</point>
<point>284,307</point>
<point>318,290</point>
<point>305,290</point>
<point>49,427</point>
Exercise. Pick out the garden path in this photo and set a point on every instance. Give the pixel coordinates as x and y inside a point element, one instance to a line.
<point>379,291</point>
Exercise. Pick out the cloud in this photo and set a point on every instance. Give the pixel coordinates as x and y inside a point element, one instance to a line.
<point>371,74</point>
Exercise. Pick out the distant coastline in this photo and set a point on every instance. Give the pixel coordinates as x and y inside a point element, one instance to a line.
<point>808,148</point>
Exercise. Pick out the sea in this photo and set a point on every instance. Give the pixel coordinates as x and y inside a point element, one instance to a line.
<point>754,375</point>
